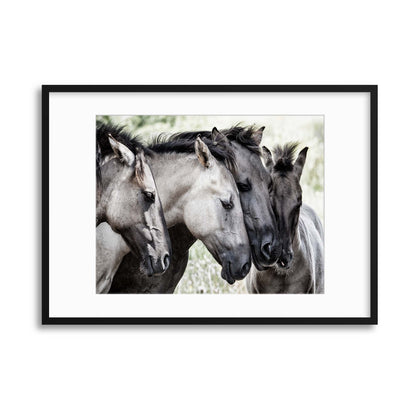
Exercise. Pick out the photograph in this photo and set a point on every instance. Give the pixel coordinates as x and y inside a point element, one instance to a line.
<point>201,204</point>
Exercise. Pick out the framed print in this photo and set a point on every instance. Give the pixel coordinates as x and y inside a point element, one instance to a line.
<point>205,196</point>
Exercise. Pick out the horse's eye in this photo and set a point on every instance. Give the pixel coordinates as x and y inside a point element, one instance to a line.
<point>149,196</point>
<point>227,204</point>
<point>243,187</point>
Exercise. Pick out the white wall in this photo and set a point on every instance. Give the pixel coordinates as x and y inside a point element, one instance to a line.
<point>189,371</point>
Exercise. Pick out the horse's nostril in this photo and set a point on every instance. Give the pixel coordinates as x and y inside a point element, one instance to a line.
<point>285,260</point>
<point>245,269</point>
<point>267,249</point>
<point>166,262</point>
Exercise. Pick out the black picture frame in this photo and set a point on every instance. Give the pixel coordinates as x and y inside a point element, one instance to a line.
<point>370,320</point>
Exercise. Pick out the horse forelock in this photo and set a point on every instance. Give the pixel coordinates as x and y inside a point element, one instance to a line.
<point>284,156</point>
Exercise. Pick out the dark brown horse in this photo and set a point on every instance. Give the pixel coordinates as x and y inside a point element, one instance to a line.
<point>300,266</point>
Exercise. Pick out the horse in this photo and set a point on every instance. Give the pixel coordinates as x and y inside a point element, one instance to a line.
<point>253,182</point>
<point>197,191</point>
<point>128,201</point>
<point>300,266</point>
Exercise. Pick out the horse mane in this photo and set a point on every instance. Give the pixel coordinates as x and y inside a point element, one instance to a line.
<point>103,146</point>
<point>185,143</point>
<point>98,159</point>
<point>243,136</point>
<point>120,133</point>
<point>237,133</point>
<point>284,156</point>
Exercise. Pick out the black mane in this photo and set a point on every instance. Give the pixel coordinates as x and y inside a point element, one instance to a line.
<point>243,136</point>
<point>284,156</point>
<point>185,143</point>
<point>176,143</point>
<point>237,133</point>
<point>120,134</point>
<point>103,147</point>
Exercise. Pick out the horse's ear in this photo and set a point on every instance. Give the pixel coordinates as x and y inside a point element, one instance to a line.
<point>203,153</point>
<point>139,168</point>
<point>300,162</point>
<point>267,157</point>
<point>123,152</point>
<point>258,135</point>
<point>217,137</point>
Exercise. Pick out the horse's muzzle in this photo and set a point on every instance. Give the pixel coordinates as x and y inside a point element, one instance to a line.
<point>235,270</point>
<point>160,266</point>
<point>285,259</point>
<point>266,252</point>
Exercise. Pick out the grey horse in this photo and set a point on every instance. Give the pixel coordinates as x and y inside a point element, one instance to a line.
<point>127,200</point>
<point>197,191</point>
<point>300,266</point>
<point>253,182</point>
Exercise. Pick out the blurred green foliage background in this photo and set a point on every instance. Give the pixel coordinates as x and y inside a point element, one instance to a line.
<point>203,273</point>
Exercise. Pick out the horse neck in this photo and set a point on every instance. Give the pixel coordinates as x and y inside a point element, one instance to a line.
<point>174,174</point>
<point>299,244</point>
<point>296,245</point>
